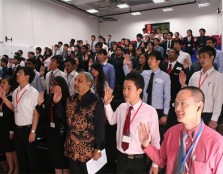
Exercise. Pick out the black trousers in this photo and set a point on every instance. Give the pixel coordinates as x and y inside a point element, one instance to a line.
<point>131,166</point>
<point>26,152</point>
<point>77,167</point>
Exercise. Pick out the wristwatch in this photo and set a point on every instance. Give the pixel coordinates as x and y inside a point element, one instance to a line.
<point>33,131</point>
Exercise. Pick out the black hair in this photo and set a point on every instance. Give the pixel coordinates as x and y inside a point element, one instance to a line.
<point>101,79</point>
<point>99,44</point>
<point>179,42</point>
<point>119,48</point>
<point>84,46</point>
<point>20,52</point>
<point>30,52</point>
<point>156,39</point>
<point>196,93</point>
<point>202,29</point>
<point>28,72</point>
<point>139,35</point>
<point>66,45</point>
<point>150,43</point>
<point>207,49</point>
<point>170,33</point>
<point>214,40</point>
<point>93,36</point>
<point>177,33</point>
<point>10,81</point>
<point>60,43</point>
<point>5,56</point>
<point>5,60</point>
<point>102,51</point>
<point>138,80</point>
<point>156,54</point>
<point>39,49</point>
<point>58,58</point>
<point>71,60</point>
<point>177,52</point>
<point>190,31</point>
<point>33,61</point>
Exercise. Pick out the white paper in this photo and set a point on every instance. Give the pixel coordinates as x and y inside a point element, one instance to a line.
<point>94,166</point>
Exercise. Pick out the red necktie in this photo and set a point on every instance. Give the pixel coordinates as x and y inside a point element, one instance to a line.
<point>169,69</point>
<point>126,129</point>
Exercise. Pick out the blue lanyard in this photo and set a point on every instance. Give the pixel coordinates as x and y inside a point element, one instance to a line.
<point>191,148</point>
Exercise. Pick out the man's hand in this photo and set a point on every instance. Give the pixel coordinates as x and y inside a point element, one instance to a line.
<point>163,120</point>
<point>144,136</point>
<point>186,64</point>
<point>213,124</point>
<point>96,154</point>
<point>127,59</point>
<point>32,137</point>
<point>57,94</point>
<point>182,78</point>
<point>2,92</point>
<point>108,96</point>
<point>154,170</point>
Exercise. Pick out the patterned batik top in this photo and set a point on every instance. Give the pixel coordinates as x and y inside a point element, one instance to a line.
<point>86,126</point>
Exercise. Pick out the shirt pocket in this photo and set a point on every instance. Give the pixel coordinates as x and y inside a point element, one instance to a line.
<point>198,167</point>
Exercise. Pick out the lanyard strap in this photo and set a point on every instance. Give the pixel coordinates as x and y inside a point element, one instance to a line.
<point>192,148</point>
<point>201,83</point>
<point>18,99</point>
<point>133,118</point>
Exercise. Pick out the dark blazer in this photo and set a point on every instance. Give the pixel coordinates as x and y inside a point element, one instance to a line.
<point>201,41</point>
<point>135,44</point>
<point>164,45</point>
<point>189,45</point>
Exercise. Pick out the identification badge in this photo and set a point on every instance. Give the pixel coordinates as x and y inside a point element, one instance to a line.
<point>16,109</point>
<point>126,139</point>
<point>159,80</point>
<point>1,114</point>
<point>52,125</point>
<point>189,45</point>
<point>179,68</point>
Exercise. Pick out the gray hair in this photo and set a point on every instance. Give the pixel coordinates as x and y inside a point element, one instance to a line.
<point>88,76</point>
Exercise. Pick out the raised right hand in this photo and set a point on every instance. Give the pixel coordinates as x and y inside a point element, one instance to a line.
<point>108,96</point>
<point>144,135</point>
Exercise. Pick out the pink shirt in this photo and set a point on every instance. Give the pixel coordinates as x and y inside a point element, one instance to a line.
<point>146,114</point>
<point>207,157</point>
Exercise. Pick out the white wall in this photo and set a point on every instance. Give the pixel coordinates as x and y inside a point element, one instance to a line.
<point>33,23</point>
<point>182,18</point>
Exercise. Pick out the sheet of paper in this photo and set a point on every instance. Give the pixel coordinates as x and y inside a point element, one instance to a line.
<point>94,166</point>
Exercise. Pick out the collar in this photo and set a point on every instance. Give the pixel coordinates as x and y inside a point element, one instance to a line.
<point>72,73</point>
<point>85,96</point>
<point>135,106</point>
<point>173,64</point>
<point>157,71</point>
<point>25,88</point>
<point>104,63</point>
<point>208,72</point>
<point>193,131</point>
<point>55,71</point>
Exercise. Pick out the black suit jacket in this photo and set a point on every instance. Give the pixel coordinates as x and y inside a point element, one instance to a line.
<point>164,45</point>
<point>201,41</point>
<point>135,44</point>
<point>174,77</point>
<point>189,45</point>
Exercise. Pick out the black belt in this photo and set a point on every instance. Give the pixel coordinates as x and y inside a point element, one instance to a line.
<point>23,127</point>
<point>135,156</point>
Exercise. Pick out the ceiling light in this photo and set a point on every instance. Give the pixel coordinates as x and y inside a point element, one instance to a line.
<point>136,13</point>
<point>92,11</point>
<point>167,9</point>
<point>158,1</point>
<point>66,0</point>
<point>122,5</point>
<point>204,5</point>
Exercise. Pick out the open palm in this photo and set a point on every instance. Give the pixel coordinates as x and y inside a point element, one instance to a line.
<point>144,135</point>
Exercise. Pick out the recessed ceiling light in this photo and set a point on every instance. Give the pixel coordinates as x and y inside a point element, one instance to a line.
<point>167,9</point>
<point>66,0</point>
<point>136,13</point>
<point>204,5</point>
<point>158,1</point>
<point>122,5</point>
<point>92,11</point>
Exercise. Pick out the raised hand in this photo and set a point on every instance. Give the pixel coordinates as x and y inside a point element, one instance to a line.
<point>186,64</point>
<point>2,92</point>
<point>90,62</point>
<point>57,94</point>
<point>108,96</point>
<point>182,78</point>
<point>144,135</point>
<point>127,59</point>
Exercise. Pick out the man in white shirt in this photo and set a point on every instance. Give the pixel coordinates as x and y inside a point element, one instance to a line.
<point>127,117</point>
<point>24,101</point>
<point>70,74</point>
<point>54,64</point>
<point>183,56</point>
<point>210,82</point>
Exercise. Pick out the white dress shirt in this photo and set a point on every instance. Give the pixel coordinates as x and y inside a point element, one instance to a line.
<point>146,114</point>
<point>24,102</point>
<point>70,78</point>
<point>182,56</point>
<point>212,89</point>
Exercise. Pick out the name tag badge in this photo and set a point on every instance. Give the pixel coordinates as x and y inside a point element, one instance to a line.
<point>16,109</point>
<point>126,139</point>
<point>168,49</point>
<point>159,80</point>
<point>52,125</point>
<point>179,68</point>
<point>189,45</point>
<point>1,114</point>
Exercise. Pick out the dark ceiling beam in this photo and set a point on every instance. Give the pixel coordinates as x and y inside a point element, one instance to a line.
<point>187,3</point>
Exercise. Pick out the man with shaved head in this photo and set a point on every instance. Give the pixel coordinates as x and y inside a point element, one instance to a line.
<point>191,146</point>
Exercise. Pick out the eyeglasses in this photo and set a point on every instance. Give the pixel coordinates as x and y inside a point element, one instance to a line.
<point>181,103</point>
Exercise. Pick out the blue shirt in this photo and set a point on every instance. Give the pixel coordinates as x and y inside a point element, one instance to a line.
<point>219,60</point>
<point>161,89</point>
<point>109,72</point>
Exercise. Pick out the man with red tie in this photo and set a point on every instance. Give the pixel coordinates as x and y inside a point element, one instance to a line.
<point>131,158</point>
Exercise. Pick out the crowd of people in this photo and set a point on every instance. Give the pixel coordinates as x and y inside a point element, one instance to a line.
<point>69,93</point>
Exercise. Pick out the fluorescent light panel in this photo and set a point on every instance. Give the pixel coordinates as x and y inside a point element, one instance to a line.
<point>136,13</point>
<point>167,9</point>
<point>66,0</point>
<point>158,1</point>
<point>92,11</point>
<point>204,5</point>
<point>122,5</point>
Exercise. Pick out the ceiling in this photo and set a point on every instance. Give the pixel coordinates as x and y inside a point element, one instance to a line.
<point>108,8</point>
